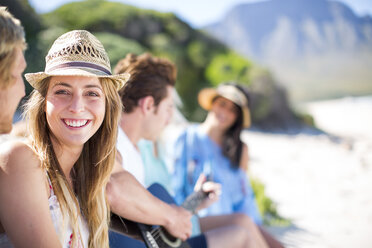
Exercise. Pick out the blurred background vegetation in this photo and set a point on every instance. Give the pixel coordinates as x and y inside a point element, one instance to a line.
<point>202,61</point>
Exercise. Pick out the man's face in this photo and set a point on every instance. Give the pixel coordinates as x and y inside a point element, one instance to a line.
<point>10,96</point>
<point>159,117</point>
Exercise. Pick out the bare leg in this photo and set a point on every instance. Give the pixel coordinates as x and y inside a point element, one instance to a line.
<point>229,236</point>
<point>270,240</point>
<point>214,222</point>
<point>242,220</point>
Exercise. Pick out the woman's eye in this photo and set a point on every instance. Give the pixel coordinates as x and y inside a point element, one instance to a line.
<point>92,93</point>
<point>61,92</point>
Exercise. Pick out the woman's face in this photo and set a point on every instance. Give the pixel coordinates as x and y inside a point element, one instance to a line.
<point>224,112</point>
<point>75,108</point>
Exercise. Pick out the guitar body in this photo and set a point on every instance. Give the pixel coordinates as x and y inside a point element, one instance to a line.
<point>155,236</point>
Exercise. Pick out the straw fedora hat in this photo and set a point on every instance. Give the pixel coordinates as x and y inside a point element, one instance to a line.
<point>230,92</point>
<point>77,53</point>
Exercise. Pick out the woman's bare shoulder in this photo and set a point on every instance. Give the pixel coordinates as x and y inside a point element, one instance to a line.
<point>17,154</point>
<point>244,160</point>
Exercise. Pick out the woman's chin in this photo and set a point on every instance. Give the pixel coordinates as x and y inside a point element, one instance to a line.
<point>74,142</point>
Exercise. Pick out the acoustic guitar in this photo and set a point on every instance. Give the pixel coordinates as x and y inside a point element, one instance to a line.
<point>157,236</point>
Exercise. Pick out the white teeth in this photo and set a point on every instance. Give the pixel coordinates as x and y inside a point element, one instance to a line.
<point>75,123</point>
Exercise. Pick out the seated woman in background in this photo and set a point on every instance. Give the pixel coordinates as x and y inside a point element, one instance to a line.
<point>52,190</point>
<point>215,149</point>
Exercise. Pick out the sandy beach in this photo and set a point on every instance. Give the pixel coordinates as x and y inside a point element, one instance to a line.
<point>323,182</point>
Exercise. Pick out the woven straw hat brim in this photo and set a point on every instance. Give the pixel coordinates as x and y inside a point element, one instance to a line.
<point>36,78</point>
<point>205,99</point>
<point>246,117</point>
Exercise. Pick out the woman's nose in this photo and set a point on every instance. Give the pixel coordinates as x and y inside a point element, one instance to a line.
<point>77,104</point>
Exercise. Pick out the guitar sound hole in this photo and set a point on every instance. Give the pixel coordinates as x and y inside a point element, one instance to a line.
<point>169,239</point>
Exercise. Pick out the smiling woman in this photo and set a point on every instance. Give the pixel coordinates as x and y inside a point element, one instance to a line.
<point>214,148</point>
<point>75,108</point>
<point>60,177</point>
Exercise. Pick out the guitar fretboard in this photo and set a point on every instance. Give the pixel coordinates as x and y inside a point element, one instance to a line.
<point>194,200</point>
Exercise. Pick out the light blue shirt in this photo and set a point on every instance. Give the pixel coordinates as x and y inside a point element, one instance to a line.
<point>155,169</point>
<point>195,153</point>
<point>157,172</point>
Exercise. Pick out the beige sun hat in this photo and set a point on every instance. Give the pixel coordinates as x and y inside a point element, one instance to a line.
<point>77,53</point>
<point>230,92</point>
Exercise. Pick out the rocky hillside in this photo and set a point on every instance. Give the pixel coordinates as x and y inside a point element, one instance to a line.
<point>317,48</point>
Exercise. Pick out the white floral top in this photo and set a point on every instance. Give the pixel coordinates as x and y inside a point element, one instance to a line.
<point>65,235</point>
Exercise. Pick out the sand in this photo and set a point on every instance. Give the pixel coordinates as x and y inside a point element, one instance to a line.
<point>323,183</point>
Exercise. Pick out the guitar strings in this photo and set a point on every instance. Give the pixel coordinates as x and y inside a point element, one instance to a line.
<point>156,232</point>
<point>156,236</point>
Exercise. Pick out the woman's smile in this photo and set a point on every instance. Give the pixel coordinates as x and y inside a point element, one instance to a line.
<point>76,123</point>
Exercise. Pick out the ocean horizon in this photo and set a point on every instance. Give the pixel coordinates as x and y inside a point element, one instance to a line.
<point>347,116</point>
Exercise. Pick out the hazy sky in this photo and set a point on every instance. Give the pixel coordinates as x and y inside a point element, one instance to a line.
<point>196,12</point>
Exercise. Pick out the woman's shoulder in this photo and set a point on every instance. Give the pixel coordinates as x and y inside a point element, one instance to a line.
<point>244,159</point>
<point>244,147</point>
<point>17,154</point>
<point>15,145</point>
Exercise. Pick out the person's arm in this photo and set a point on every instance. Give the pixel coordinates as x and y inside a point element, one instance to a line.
<point>244,159</point>
<point>129,199</point>
<point>24,208</point>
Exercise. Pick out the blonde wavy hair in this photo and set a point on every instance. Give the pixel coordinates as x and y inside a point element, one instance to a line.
<point>12,36</point>
<point>92,170</point>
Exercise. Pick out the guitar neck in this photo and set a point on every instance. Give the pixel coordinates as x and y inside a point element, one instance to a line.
<point>194,200</point>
